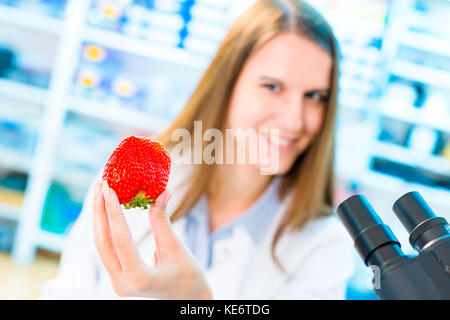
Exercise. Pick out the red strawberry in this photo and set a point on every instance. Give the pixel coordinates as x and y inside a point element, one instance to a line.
<point>138,171</point>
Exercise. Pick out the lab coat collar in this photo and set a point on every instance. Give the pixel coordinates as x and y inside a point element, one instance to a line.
<point>255,220</point>
<point>260,263</point>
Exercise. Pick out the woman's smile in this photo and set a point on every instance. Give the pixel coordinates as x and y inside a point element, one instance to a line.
<point>283,143</point>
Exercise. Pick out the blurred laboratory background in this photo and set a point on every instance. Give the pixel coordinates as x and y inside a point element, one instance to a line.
<point>76,76</point>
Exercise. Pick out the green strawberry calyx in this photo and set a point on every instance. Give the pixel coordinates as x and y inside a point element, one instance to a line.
<point>139,201</point>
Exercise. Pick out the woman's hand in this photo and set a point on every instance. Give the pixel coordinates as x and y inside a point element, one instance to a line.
<point>175,275</point>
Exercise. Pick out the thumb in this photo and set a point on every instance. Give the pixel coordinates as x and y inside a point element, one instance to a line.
<point>165,239</point>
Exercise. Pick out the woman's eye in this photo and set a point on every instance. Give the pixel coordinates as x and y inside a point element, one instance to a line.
<point>315,96</point>
<point>272,87</point>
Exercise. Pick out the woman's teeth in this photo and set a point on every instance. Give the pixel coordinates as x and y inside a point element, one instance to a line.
<point>285,142</point>
<point>278,140</point>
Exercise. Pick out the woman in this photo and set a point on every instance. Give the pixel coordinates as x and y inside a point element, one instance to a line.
<point>235,233</point>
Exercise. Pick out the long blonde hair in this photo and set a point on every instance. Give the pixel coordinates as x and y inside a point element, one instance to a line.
<point>310,180</point>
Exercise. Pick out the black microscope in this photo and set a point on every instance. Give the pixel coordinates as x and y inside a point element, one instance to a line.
<point>396,275</point>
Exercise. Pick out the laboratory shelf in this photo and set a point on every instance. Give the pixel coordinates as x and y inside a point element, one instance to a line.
<point>411,157</point>
<point>434,196</point>
<point>74,177</point>
<point>12,160</point>
<point>147,49</point>
<point>9,211</point>
<point>51,241</point>
<point>29,20</point>
<point>22,92</point>
<point>421,73</point>
<point>426,42</point>
<point>418,117</point>
<point>118,115</point>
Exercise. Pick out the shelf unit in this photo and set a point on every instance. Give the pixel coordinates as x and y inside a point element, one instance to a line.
<point>404,35</point>
<point>170,55</point>
<point>58,100</point>
<point>9,211</point>
<point>13,160</point>
<point>426,42</point>
<point>418,117</point>
<point>29,20</point>
<point>68,30</point>
<point>50,241</point>
<point>427,75</point>
<point>117,115</point>
<point>407,156</point>
<point>22,92</point>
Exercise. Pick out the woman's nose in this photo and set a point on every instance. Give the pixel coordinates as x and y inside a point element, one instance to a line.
<point>291,113</point>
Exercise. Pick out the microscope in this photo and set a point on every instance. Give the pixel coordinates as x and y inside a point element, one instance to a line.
<point>397,276</point>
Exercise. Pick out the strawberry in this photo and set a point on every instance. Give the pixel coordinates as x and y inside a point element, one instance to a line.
<point>138,171</point>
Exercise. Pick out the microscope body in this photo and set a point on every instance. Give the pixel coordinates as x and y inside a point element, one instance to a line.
<point>425,276</point>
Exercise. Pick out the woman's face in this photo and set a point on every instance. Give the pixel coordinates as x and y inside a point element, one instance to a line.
<point>284,85</point>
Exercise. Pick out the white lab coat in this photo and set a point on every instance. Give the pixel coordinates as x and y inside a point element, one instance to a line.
<point>318,259</point>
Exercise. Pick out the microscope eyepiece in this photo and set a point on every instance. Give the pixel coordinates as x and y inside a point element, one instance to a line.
<point>425,276</point>
<point>419,220</point>
<point>373,240</point>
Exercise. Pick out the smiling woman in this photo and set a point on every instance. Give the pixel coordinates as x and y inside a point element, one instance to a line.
<point>233,231</point>
<point>277,68</point>
<point>271,93</point>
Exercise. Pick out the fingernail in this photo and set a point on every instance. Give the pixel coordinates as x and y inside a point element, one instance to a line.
<point>167,197</point>
<point>161,200</point>
<point>106,192</point>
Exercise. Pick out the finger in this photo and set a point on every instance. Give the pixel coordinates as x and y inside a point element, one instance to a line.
<point>120,233</point>
<point>165,239</point>
<point>102,234</point>
<point>155,258</point>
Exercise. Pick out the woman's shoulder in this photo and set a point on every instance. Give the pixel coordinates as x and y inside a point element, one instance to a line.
<point>323,230</point>
<point>329,223</point>
<point>321,239</point>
